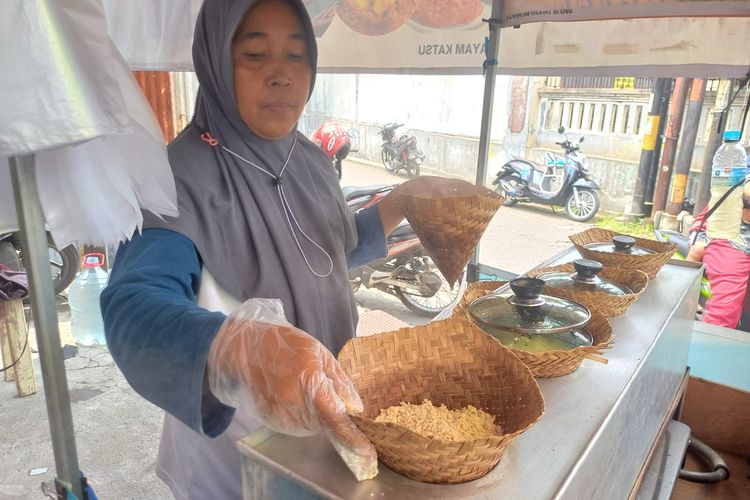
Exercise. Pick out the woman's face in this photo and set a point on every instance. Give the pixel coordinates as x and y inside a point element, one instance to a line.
<point>271,69</point>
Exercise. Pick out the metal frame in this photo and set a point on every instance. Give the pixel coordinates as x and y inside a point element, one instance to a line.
<point>598,433</point>
<point>44,309</point>
<point>488,104</point>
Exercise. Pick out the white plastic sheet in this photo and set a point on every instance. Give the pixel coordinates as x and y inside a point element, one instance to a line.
<point>153,34</point>
<point>68,97</point>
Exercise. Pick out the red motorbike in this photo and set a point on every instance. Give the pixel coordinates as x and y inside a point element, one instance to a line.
<point>335,142</point>
<point>407,272</point>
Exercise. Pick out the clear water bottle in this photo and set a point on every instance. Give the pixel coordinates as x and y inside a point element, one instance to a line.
<point>729,167</point>
<point>87,325</point>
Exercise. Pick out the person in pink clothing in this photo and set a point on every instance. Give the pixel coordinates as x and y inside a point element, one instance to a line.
<point>728,269</point>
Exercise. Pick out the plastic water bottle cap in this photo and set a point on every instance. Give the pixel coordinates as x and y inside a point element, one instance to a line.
<point>732,135</point>
<point>93,260</point>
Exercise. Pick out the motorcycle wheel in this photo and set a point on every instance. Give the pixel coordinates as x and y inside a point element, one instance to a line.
<point>388,161</point>
<point>432,306</point>
<point>588,208</point>
<point>67,263</point>
<point>63,265</point>
<point>515,182</point>
<point>412,169</point>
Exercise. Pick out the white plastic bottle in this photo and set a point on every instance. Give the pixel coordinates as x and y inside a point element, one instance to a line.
<point>729,167</point>
<point>87,325</point>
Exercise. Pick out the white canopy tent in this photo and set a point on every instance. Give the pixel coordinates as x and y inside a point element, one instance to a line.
<point>58,63</point>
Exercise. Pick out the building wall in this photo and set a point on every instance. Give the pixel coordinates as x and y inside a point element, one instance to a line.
<point>444,113</point>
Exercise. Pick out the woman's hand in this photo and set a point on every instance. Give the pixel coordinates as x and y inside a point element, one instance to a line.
<point>290,380</point>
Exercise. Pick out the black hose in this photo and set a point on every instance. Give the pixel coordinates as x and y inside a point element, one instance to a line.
<point>719,470</point>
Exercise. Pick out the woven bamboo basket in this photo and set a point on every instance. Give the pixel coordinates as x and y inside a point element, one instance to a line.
<point>606,303</point>
<point>649,264</point>
<point>450,224</point>
<point>449,362</point>
<point>557,363</point>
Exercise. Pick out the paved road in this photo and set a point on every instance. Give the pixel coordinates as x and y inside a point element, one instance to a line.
<point>517,240</point>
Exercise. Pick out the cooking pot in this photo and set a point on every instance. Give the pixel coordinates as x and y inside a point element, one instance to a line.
<point>586,278</point>
<point>525,319</point>
<point>620,244</point>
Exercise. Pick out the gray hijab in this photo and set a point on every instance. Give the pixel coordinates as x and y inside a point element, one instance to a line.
<point>233,213</point>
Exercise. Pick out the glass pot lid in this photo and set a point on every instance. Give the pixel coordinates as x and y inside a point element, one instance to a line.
<point>620,244</point>
<point>527,311</point>
<point>585,278</point>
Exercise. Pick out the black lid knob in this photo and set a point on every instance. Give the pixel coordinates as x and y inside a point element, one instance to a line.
<point>527,288</point>
<point>587,268</point>
<point>623,243</point>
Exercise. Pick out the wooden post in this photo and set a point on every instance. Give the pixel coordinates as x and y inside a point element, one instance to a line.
<point>13,336</point>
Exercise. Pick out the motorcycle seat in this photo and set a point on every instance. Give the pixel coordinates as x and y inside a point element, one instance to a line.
<point>351,192</point>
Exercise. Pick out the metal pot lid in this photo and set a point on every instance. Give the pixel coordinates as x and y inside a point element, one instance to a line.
<point>527,311</point>
<point>586,278</point>
<point>620,244</point>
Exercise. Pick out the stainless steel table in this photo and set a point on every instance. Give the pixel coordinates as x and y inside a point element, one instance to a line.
<point>600,427</point>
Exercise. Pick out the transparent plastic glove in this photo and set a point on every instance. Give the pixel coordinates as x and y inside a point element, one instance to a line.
<point>289,380</point>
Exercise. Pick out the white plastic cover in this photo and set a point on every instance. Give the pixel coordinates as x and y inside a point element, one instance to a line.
<point>68,97</point>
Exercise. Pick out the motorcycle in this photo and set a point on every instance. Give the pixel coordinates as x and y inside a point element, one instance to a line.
<point>63,263</point>
<point>335,142</point>
<point>407,272</point>
<point>559,182</point>
<point>400,153</point>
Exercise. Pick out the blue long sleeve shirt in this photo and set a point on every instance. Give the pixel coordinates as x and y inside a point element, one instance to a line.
<point>160,338</point>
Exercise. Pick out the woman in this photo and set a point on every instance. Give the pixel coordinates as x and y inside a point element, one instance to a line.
<point>261,216</point>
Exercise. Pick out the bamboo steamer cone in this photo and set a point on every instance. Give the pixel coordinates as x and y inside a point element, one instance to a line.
<point>449,362</point>
<point>450,223</point>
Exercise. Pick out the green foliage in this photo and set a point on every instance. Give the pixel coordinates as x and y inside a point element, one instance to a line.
<point>617,222</point>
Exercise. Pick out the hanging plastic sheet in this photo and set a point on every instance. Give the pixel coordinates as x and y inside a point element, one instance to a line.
<point>67,97</point>
<point>153,34</point>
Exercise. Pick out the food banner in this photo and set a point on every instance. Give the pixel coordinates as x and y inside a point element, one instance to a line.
<point>447,36</point>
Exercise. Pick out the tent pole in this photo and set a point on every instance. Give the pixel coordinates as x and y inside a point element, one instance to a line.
<point>44,309</point>
<point>487,108</point>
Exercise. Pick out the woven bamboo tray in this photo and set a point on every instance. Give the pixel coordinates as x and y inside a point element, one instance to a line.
<point>649,264</point>
<point>449,362</point>
<point>450,223</point>
<point>606,303</point>
<point>557,363</point>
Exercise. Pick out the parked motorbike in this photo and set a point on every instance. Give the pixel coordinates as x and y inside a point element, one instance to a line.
<point>407,271</point>
<point>335,142</point>
<point>64,263</point>
<point>400,153</point>
<point>561,181</point>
